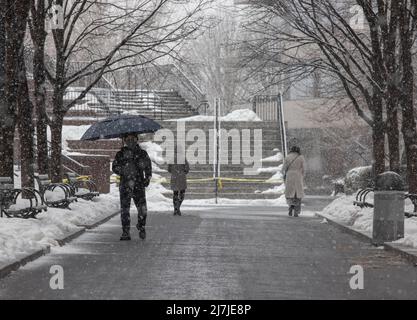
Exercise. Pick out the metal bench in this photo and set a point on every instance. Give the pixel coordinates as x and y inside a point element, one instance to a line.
<point>361,198</point>
<point>362,203</point>
<point>84,188</point>
<point>44,185</point>
<point>9,196</point>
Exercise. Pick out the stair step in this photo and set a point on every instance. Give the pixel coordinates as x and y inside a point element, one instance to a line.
<point>233,196</point>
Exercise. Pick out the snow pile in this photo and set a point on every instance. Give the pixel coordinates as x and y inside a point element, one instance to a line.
<point>275,190</point>
<point>275,158</point>
<point>70,133</point>
<point>343,210</point>
<point>19,237</point>
<point>192,204</point>
<point>154,151</point>
<point>237,115</point>
<point>410,239</point>
<point>242,115</point>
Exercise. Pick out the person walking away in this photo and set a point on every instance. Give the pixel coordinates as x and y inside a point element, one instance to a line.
<point>178,173</point>
<point>293,171</point>
<point>134,167</point>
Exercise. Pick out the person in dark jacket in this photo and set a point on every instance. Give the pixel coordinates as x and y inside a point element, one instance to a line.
<point>178,173</point>
<point>134,167</point>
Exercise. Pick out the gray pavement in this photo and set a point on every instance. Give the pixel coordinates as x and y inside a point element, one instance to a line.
<point>217,253</point>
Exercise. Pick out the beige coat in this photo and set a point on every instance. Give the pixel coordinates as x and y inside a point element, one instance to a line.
<point>294,184</point>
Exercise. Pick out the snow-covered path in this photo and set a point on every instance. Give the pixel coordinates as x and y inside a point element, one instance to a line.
<point>229,252</point>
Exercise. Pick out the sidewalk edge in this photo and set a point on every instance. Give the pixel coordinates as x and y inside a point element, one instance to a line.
<point>409,254</point>
<point>6,270</point>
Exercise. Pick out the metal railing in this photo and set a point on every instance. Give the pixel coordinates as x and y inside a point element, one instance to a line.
<point>103,102</point>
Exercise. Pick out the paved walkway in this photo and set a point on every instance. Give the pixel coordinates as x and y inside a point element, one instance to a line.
<point>217,253</point>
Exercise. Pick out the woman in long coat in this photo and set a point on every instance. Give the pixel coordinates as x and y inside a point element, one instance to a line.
<point>178,173</point>
<point>293,171</point>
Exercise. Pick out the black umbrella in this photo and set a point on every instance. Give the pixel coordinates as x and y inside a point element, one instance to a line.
<point>119,126</point>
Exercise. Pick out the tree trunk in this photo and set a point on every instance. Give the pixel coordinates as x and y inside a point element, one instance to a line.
<point>393,135</point>
<point>39,35</point>
<point>378,139</point>
<point>42,143</point>
<point>26,131</point>
<point>56,137</point>
<point>15,22</point>
<point>40,101</point>
<point>408,121</point>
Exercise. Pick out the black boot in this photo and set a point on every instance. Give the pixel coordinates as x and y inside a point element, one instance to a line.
<point>141,227</point>
<point>176,208</point>
<point>126,234</point>
<point>290,211</point>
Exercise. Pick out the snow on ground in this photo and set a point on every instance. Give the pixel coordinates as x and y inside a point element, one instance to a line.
<point>275,190</point>
<point>343,210</point>
<point>191,204</point>
<point>20,237</point>
<point>237,115</point>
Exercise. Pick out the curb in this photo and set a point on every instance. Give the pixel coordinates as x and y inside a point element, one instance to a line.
<point>407,253</point>
<point>16,265</point>
<point>97,223</point>
<point>70,237</point>
<point>362,235</point>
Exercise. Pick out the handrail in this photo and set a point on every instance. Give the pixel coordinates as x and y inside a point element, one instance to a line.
<point>64,156</point>
<point>192,83</point>
<point>281,119</point>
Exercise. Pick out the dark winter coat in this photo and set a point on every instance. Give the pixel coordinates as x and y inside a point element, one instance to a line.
<point>133,166</point>
<point>179,176</point>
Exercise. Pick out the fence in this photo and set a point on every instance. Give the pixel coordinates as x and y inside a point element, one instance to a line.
<point>270,108</point>
<point>104,102</point>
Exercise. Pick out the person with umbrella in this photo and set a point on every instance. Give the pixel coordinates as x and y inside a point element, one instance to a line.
<point>131,163</point>
<point>134,167</point>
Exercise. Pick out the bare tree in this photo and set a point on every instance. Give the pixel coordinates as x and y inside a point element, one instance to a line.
<point>14,16</point>
<point>37,26</point>
<point>109,37</point>
<point>211,59</point>
<point>367,62</point>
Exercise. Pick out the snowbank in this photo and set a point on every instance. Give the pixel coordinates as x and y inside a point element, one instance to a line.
<point>70,133</point>
<point>19,237</point>
<point>275,190</point>
<point>343,210</point>
<point>237,115</point>
<point>275,158</point>
<point>191,204</point>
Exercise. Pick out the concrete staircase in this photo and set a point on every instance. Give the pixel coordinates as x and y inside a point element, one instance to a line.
<point>153,104</point>
<point>243,189</point>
